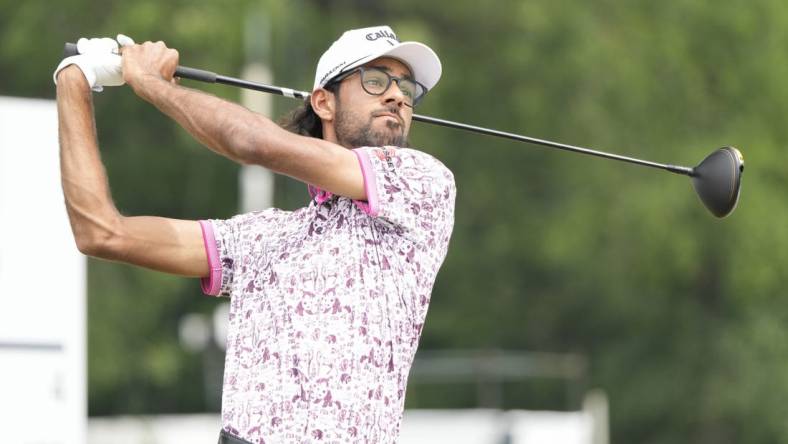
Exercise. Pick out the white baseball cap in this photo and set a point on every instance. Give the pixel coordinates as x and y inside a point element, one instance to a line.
<point>359,46</point>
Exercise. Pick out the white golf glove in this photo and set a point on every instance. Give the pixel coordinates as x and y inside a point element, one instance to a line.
<point>99,60</point>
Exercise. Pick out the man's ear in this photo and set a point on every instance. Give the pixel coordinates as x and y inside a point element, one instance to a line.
<point>324,104</point>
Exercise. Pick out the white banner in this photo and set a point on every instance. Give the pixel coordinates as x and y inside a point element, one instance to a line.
<point>42,286</point>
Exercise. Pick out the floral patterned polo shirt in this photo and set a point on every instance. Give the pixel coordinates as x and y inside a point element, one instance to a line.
<point>328,303</point>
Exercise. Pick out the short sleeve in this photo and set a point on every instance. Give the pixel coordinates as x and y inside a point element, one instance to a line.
<point>220,250</point>
<point>227,242</point>
<point>410,189</point>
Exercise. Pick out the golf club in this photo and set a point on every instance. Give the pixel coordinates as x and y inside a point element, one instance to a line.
<point>716,179</point>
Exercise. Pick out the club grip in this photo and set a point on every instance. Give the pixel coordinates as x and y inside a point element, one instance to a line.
<point>183,72</point>
<point>70,50</point>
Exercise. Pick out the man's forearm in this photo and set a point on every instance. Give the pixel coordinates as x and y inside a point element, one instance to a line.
<point>90,208</point>
<point>237,133</point>
<point>225,127</point>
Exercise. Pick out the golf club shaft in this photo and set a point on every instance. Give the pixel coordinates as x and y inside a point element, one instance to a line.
<point>211,77</point>
<point>189,73</point>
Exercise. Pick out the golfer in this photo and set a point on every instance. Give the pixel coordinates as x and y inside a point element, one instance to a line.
<point>328,302</point>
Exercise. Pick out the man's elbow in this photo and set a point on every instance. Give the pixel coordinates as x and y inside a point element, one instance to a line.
<point>254,151</point>
<point>99,243</point>
<point>90,246</point>
<point>257,147</point>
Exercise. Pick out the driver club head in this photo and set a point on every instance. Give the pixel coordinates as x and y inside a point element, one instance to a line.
<point>717,180</point>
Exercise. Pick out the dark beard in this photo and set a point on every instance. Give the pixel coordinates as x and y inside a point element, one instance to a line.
<point>352,135</point>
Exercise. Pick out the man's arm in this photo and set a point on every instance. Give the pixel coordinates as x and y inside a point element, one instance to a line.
<point>169,245</point>
<point>236,132</point>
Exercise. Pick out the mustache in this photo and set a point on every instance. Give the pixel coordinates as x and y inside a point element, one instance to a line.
<point>394,110</point>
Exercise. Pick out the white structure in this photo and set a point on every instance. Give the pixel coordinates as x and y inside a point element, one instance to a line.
<point>42,286</point>
<point>473,426</point>
<point>256,182</point>
<point>161,429</point>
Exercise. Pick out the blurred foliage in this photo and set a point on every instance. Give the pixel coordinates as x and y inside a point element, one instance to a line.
<point>680,315</point>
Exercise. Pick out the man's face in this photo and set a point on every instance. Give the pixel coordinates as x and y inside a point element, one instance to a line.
<point>363,119</point>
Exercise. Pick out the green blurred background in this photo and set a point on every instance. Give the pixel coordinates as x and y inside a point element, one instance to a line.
<point>681,317</point>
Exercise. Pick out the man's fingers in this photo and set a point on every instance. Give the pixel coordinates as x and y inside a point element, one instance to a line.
<point>97,45</point>
<point>125,40</point>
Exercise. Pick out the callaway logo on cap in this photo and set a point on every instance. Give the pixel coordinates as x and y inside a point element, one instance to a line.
<point>359,46</point>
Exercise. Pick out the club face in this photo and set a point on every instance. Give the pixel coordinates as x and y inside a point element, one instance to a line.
<point>717,180</point>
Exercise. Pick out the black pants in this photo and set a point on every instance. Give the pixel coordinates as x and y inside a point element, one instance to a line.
<point>226,438</point>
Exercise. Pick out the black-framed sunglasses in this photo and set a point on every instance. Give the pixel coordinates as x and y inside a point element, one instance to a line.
<point>376,81</point>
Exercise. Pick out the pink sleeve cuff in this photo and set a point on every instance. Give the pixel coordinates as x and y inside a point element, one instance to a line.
<point>211,285</point>
<point>372,205</point>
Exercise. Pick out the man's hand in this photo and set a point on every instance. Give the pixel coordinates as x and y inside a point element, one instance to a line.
<point>99,60</point>
<point>148,61</point>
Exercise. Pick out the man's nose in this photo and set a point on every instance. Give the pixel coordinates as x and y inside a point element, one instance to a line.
<point>395,94</point>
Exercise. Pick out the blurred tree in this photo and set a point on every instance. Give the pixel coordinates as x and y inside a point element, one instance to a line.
<point>565,253</point>
<point>135,362</point>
